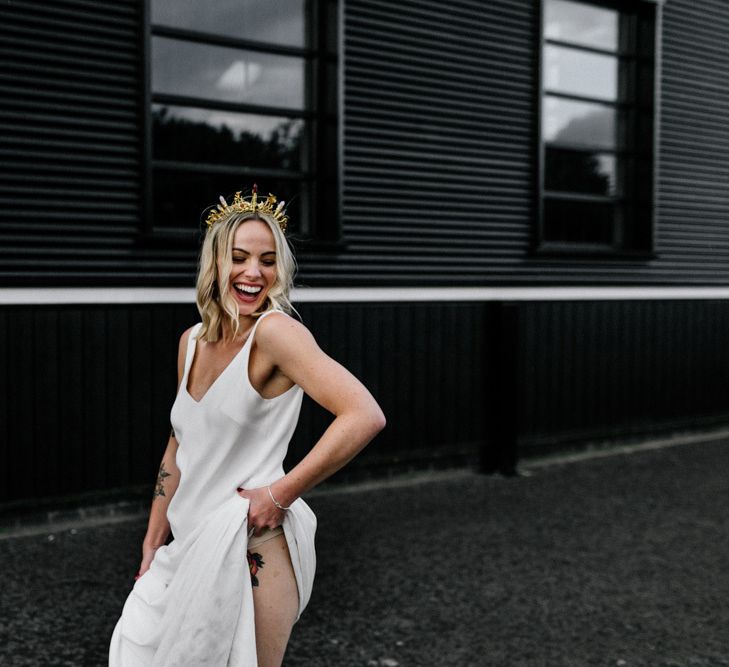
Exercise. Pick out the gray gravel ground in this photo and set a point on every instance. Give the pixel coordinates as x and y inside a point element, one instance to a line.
<point>618,561</point>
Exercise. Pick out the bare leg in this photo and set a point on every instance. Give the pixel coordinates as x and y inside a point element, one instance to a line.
<point>275,599</point>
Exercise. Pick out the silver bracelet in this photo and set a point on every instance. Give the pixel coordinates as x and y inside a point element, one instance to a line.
<point>275,502</point>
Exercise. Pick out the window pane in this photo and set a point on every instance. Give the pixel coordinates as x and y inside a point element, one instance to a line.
<point>581,23</point>
<point>275,21</point>
<point>579,123</point>
<point>578,222</point>
<point>231,75</point>
<point>580,171</point>
<point>579,72</point>
<point>221,137</point>
<point>181,198</point>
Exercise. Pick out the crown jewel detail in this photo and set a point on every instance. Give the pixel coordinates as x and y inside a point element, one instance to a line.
<point>270,206</point>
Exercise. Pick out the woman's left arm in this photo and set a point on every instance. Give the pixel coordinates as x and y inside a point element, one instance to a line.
<point>290,347</point>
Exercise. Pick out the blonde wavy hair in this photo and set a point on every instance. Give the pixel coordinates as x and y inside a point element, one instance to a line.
<point>216,305</point>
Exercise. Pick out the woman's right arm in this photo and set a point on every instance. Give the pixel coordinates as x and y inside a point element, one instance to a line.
<point>158,527</point>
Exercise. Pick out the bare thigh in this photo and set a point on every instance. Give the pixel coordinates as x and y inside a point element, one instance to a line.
<point>275,600</point>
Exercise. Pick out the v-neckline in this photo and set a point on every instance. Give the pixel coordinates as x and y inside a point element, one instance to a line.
<point>220,375</point>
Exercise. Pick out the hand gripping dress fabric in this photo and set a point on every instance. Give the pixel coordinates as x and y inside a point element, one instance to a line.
<point>194,606</point>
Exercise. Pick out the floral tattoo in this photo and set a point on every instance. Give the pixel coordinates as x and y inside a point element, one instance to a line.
<point>159,489</point>
<point>255,563</point>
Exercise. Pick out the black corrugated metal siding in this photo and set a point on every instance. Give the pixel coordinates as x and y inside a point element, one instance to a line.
<point>438,139</point>
<point>71,102</point>
<point>592,371</point>
<point>439,153</point>
<point>70,118</point>
<point>693,214</point>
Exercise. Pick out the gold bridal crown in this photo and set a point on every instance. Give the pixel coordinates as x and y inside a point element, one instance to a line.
<point>253,205</point>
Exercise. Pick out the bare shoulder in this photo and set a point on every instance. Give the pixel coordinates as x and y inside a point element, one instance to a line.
<point>280,332</point>
<point>185,337</point>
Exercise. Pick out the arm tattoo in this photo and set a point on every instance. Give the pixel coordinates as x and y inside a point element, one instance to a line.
<point>159,489</point>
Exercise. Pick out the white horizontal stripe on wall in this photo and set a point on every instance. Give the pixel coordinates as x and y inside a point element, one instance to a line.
<point>101,295</point>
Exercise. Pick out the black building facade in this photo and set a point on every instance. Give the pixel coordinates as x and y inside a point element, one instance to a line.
<point>511,217</point>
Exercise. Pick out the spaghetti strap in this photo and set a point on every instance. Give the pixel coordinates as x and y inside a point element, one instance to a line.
<point>190,353</point>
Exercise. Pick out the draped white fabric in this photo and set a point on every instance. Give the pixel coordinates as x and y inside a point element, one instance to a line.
<point>194,606</point>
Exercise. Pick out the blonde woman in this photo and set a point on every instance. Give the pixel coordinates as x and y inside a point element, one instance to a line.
<point>228,588</point>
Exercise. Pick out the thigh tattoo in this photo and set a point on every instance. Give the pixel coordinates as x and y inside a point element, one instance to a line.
<point>255,563</point>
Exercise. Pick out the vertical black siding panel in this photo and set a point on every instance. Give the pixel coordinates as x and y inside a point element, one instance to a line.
<point>164,376</point>
<point>140,396</point>
<point>438,371</point>
<point>5,376</point>
<point>118,391</point>
<point>446,405</point>
<point>47,392</point>
<point>357,324</point>
<point>389,372</point>
<point>529,409</point>
<point>96,424</point>
<point>372,377</point>
<point>71,440</point>
<point>403,351</point>
<point>24,408</point>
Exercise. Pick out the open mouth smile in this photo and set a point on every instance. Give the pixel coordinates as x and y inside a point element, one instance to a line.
<point>248,293</point>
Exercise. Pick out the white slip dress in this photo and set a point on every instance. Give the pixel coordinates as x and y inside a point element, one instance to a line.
<point>194,606</point>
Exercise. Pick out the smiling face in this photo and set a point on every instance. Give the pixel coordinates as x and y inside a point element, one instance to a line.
<point>253,270</point>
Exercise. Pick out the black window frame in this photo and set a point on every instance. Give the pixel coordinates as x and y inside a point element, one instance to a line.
<point>322,208</point>
<point>640,241</point>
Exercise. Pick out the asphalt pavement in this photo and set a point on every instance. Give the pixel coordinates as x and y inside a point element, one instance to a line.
<point>616,560</point>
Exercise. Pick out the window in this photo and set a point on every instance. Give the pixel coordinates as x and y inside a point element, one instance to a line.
<point>242,91</point>
<point>596,126</point>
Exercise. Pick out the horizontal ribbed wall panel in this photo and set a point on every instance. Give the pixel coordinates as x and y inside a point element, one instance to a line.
<point>71,156</point>
<point>439,153</point>
<point>438,137</point>
<point>693,214</point>
<point>440,146</point>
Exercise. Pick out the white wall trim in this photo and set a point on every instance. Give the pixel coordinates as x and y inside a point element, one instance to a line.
<point>132,295</point>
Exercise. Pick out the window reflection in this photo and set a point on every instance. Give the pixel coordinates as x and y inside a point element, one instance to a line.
<point>579,23</point>
<point>579,123</point>
<point>580,171</point>
<point>578,72</point>
<point>579,222</point>
<point>226,74</point>
<point>273,21</point>
<point>204,135</point>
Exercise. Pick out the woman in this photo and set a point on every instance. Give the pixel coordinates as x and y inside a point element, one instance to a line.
<point>238,573</point>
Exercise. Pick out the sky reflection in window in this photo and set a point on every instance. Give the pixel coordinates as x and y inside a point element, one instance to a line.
<point>577,72</point>
<point>226,74</point>
<point>272,21</point>
<point>580,23</point>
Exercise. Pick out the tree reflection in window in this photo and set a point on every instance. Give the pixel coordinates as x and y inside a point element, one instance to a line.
<point>200,135</point>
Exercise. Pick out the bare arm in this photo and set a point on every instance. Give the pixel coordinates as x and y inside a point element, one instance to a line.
<point>168,477</point>
<point>358,418</point>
